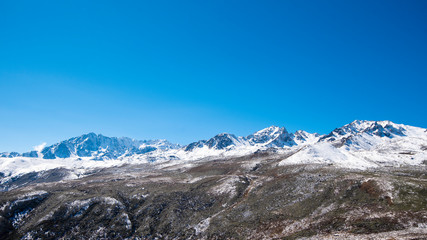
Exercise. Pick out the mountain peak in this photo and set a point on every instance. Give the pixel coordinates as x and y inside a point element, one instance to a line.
<point>363,134</point>
<point>91,134</point>
<point>223,141</point>
<point>224,134</point>
<point>272,136</point>
<point>269,130</point>
<point>220,141</point>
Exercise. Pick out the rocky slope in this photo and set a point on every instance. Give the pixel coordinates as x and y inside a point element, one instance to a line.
<point>251,197</point>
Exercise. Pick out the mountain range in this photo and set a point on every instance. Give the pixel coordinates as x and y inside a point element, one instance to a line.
<point>359,144</point>
<point>99,147</point>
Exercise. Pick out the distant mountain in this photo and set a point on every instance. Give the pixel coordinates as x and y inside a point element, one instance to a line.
<point>271,137</point>
<point>364,144</point>
<point>365,134</point>
<point>101,147</point>
<point>223,141</point>
<point>10,155</point>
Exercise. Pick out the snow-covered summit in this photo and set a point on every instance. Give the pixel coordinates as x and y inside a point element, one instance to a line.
<point>379,128</point>
<point>271,137</point>
<point>222,141</point>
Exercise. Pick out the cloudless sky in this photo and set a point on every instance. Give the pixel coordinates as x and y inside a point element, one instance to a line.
<point>187,70</point>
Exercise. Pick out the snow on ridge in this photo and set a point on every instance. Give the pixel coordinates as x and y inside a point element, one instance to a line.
<point>326,153</point>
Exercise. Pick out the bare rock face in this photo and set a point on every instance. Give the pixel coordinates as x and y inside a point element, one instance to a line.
<point>248,197</point>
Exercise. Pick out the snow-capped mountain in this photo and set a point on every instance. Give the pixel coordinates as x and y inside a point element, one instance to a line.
<point>272,137</point>
<point>222,141</point>
<point>9,155</point>
<point>100,147</point>
<point>365,134</point>
<point>362,144</point>
<point>359,144</point>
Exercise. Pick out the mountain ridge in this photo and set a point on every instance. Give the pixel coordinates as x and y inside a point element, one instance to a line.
<point>101,147</point>
<point>360,144</point>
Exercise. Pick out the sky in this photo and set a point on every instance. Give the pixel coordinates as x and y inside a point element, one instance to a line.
<point>188,70</point>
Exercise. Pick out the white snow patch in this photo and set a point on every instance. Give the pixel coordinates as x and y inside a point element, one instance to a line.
<point>111,201</point>
<point>325,153</point>
<point>196,179</point>
<point>202,226</point>
<point>227,186</point>
<point>140,196</point>
<point>125,218</point>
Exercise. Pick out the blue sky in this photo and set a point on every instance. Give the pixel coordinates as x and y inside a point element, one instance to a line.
<point>187,70</point>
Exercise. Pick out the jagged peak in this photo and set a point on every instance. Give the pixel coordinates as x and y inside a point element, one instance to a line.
<point>387,123</point>
<point>224,134</point>
<point>368,123</point>
<point>357,125</point>
<point>272,136</point>
<point>269,130</point>
<point>358,122</point>
<point>91,134</point>
<point>352,134</point>
<point>302,132</point>
<point>365,125</point>
<point>220,141</point>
